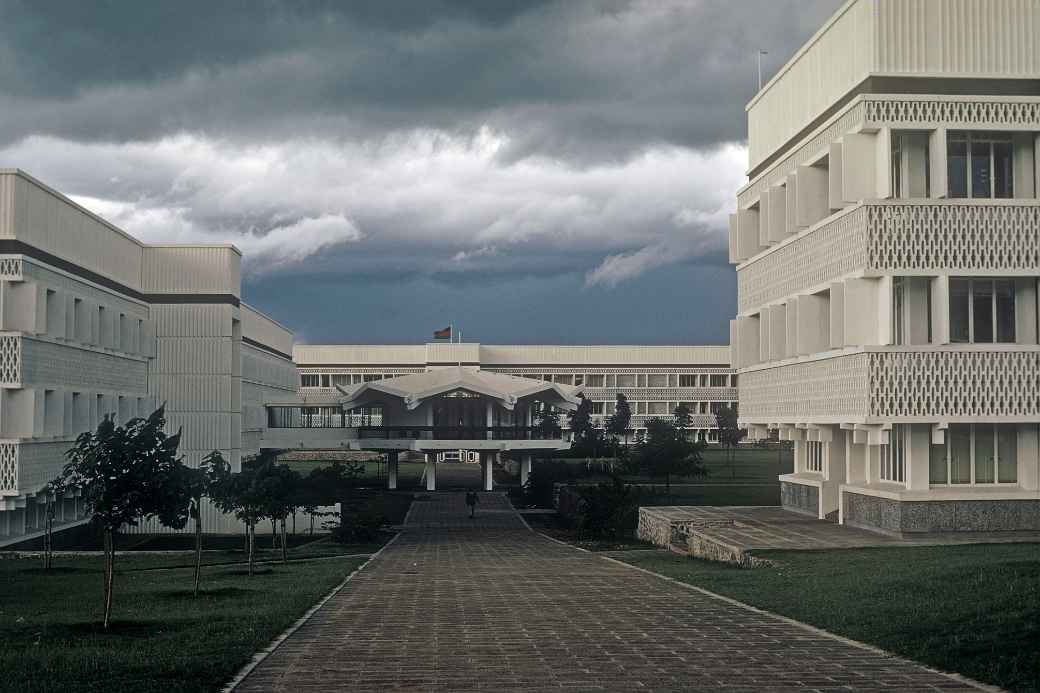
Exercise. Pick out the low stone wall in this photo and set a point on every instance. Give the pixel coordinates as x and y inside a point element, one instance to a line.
<point>918,517</point>
<point>800,498</point>
<point>706,547</point>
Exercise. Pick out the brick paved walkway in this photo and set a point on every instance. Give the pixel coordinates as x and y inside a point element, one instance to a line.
<point>486,605</point>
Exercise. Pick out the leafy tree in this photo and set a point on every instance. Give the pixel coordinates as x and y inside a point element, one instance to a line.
<point>683,417</point>
<point>666,451</point>
<point>546,422</point>
<point>730,434</point>
<point>54,491</point>
<point>125,474</point>
<point>326,485</point>
<point>242,494</point>
<point>580,420</point>
<point>618,423</point>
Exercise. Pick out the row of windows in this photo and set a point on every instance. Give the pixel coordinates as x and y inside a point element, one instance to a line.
<point>92,324</point>
<point>587,379</point>
<point>662,408</point>
<point>970,454</point>
<point>982,309</point>
<point>979,165</point>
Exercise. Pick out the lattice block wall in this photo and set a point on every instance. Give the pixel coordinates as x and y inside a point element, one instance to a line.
<point>950,384</point>
<point>825,389</point>
<point>829,251</point>
<point>954,236</point>
<point>8,466</point>
<point>10,359</point>
<point>951,113</point>
<point>11,268</point>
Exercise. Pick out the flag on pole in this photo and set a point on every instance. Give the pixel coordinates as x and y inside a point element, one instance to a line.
<point>442,334</point>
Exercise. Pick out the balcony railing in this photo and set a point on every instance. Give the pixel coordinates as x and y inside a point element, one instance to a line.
<point>290,416</point>
<point>897,384</point>
<point>454,433</point>
<point>898,237</point>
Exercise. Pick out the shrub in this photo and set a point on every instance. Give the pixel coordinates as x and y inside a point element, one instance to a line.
<point>609,510</point>
<point>538,491</point>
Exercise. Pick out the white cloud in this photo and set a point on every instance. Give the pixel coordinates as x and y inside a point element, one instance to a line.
<point>424,194</point>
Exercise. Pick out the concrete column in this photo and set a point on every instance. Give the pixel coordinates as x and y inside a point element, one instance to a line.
<point>918,456</point>
<point>525,469</point>
<point>487,465</point>
<point>391,470</point>
<point>431,471</point>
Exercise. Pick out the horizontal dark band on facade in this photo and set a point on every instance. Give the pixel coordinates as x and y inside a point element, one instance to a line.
<point>931,86</point>
<point>264,347</point>
<point>724,366</point>
<point>14,246</point>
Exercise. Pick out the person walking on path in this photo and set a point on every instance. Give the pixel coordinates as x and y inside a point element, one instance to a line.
<point>471,500</point>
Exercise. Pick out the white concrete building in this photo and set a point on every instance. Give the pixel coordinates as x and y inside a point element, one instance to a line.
<point>654,379</point>
<point>94,322</point>
<point>887,249</point>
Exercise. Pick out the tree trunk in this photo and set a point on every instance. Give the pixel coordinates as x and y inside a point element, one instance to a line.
<point>274,534</point>
<point>48,547</point>
<point>198,548</point>
<point>110,559</point>
<point>251,531</point>
<point>312,522</point>
<point>285,557</point>
<point>294,523</point>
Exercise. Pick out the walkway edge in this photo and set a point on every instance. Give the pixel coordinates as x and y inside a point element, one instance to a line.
<point>805,626</point>
<point>267,651</point>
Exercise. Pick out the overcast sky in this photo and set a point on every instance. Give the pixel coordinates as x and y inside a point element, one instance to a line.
<point>529,171</point>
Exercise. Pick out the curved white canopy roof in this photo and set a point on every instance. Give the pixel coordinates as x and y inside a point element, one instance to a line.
<point>414,389</point>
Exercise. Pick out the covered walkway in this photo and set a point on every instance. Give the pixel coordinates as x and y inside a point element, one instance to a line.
<point>487,605</point>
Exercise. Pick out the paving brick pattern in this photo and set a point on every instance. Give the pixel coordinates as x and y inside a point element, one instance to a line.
<point>486,605</point>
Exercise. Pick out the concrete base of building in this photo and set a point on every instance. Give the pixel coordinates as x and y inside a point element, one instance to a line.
<point>906,517</point>
<point>800,498</point>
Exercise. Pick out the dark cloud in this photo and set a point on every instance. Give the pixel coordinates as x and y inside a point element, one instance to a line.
<point>578,78</point>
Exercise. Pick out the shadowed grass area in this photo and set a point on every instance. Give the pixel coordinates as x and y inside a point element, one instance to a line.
<point>974,610</point>
<point>162,638</point>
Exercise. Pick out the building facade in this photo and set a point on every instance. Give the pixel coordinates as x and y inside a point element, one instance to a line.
<point>654,379</point>
<point>94,322</point>
<point>888,249</point>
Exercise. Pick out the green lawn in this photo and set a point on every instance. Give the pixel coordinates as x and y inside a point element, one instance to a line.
<point>973,609</point>
<point>162,639</point>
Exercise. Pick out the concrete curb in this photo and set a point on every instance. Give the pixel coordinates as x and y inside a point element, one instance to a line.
<point>267,651</point>
<point>805,626</point>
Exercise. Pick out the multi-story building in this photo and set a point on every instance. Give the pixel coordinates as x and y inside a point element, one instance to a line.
<point>887,249</point>
<point>654,379</point>
<point>94,322</point>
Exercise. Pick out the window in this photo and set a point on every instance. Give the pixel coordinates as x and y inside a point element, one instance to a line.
<point>626,380</point>
<point>893,456</point>
<point>341,379</point>
<point>813,456</point>
<point>687,381</point>
<point>326,381</point>
<point>718,380</point>
<point>910,164</point>
<point>980,165</point>
<point>599,408</point>
<point>310,380</point>
<point>657,380</point>
<point>716,407</point>
<point>657,408</point>
<point>733,381</point>
<point>975,454</point>
<point>640,381</point>
<point>371,377</point>
<point>579,379</point>
<point>564,379</point>
<point>982,311</point>
<point>594,381</point>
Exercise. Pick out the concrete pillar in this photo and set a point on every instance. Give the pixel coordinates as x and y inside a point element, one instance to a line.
<point>487,465</point>
<point>431,471</point>
<point>391,470</point>
<point>918,456</point>
<point>525,469</point>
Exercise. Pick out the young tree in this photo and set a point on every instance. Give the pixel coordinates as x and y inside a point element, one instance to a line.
<point>580,420</point>
<point>730,434</point>
<point>124,475</point>
<point>54,492</point>
<point>618,423</point>
<point>546,422</point>
<point>242,494</point>
<point>665,451</point>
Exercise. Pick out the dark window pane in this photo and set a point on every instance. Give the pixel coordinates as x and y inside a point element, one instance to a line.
<point>1007,453</point>
<point>960,453</point>
<point>982,311</point>
<point>981,172</point>
<point>937,465</point>
<point>984,462</point>
<point>1005,289</point>
<point>957,167</point>
<point>959,310</point>
<point>1003,171</point>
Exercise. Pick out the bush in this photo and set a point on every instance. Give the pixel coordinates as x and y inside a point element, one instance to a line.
<point>538,491</point>
<point>358,529</point>
<point>609,510</point>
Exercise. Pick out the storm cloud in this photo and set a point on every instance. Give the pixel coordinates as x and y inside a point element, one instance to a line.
<point>445,142</point>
